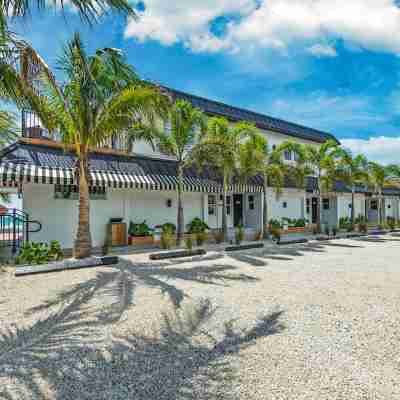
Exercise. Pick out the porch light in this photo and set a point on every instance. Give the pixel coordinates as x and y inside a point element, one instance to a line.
<point>169,203</point>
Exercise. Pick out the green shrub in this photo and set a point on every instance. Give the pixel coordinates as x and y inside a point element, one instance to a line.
<point>39,253</point>
<point>345,224</point>
<point>168,227</point>
<point>239,234</point>
<point>300,223</point>
<point>141,229</point>
<point>275,224</point>
<point>197,226</point>
<point>167,238</point>
<point>189,242</point>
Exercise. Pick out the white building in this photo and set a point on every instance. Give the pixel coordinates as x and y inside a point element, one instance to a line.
<point>141,186</point>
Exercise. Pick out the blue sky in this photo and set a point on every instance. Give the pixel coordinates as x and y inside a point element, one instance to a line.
<point>331,65</point>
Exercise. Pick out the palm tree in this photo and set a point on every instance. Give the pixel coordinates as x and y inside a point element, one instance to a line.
<point>353,171</point>
<point>88,10</point>
<point>322,161</point>
<point>219,149</point>
<point>102,97</point>
<point>185,122</point>
<point>380,177</point>
<point>257,158</point>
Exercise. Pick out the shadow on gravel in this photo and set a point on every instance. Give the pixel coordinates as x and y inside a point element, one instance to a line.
<point>116,287</point>
<point>181,360</point>
<point>344,245</point>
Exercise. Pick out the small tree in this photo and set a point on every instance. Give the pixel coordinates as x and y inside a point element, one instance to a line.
<point>352,170</point>
<point>256,158</point>
<point>185,124</point>
<point>379,177</point>
<point>219,148</point>
<point>322,161</point>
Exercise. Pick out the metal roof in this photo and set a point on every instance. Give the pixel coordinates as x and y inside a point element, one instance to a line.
<point>262,121</point>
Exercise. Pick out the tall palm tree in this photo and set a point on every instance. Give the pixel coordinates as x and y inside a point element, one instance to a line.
<point>352,170</point>
<point>219,149</point>
<point>322,161</point>
<point>257,158</point>
<point>102,97</point>
<point>380,177</point>
<point>185,123</point>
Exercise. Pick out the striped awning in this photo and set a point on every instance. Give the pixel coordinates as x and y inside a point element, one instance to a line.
<point>13,174</point>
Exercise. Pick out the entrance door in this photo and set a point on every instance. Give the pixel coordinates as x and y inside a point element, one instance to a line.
<point>237,209</point>
<point>314,210</point>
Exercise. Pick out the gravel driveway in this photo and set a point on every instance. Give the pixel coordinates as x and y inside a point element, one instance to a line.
<point>317,321</point>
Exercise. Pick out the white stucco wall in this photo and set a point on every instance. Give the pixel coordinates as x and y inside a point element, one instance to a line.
<point>294,200</point>
<point>59,217</point>
<point>344,200</point>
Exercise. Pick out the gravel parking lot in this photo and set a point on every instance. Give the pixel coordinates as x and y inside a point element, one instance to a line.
<point>316,321</point>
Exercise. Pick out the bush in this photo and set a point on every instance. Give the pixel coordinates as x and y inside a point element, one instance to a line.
<point>360,219</point>
<point>39,253</point>
<point>197,226</point>
<point>275,224</point>
<point>189,242</point>
<point>168,227</point>
<point>141,229</point>
<point>300,223</point>
<point>167,238</point>
<point>218,236</point>
<point>345,224</point>
<point>239,234</point>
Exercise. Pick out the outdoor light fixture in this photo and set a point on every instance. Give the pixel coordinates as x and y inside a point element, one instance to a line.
<point>20,190</point>
<point>169,203</point>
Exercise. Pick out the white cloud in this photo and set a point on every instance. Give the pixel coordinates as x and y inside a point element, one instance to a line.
<point>383,149</point>
<point>277,24</point>
<point>322,50</point>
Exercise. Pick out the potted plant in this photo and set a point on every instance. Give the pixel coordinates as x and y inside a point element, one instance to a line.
<point>140,234</point>
<point>199,229</point>
<point>239,234</point>
<point>276,234</point>
<point>167,235</point>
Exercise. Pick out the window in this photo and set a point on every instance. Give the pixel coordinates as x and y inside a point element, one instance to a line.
<point>70,192</point>
<point>211,204</point>
<point>325,204</point>
<point>295,156</point>
<point>308,206</point>
<point>251,202</point>
<point>287,154</point>
<point>374,204</point>
<point>389,206</point>
<point>284,204</point>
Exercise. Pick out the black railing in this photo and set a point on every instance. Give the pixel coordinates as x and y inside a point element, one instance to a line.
<point>15,227</point>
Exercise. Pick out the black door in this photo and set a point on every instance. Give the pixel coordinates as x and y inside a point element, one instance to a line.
<point>237,209</point>
<point>314,210</point>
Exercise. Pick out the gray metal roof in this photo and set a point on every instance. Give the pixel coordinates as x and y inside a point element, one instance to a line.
<point>262,121</point>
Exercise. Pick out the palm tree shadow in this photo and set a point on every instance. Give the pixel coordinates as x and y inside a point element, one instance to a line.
<point>182,360</point>
<point>116,285</point>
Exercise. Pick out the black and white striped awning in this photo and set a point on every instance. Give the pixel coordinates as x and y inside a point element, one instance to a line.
<point>13,174</point>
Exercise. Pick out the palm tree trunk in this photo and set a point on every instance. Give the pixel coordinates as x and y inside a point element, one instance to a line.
<point>265,212</point>
<point>319,204</point>
<point>224,216</point>
<point>180,218</point>
<point>380,206</point>
<point>352,205</point>
<point>83,240</point>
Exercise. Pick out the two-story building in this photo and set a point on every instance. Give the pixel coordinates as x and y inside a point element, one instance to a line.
<point>140,185</point>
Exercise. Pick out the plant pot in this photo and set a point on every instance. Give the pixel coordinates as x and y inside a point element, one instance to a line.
<point>296,229</point>
<point>140,240</point>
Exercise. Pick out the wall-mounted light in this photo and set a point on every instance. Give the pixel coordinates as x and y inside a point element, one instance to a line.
<point>20,190</point>
<point>169,203</point>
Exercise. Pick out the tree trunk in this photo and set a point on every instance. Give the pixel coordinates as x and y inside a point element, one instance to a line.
<point>265,231</point>
<point>380,208</point>
<point>352,205</point>
<point>83,240</point>
<point>224,216</point>
<point>319,203</point>
<point>180,217</point>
